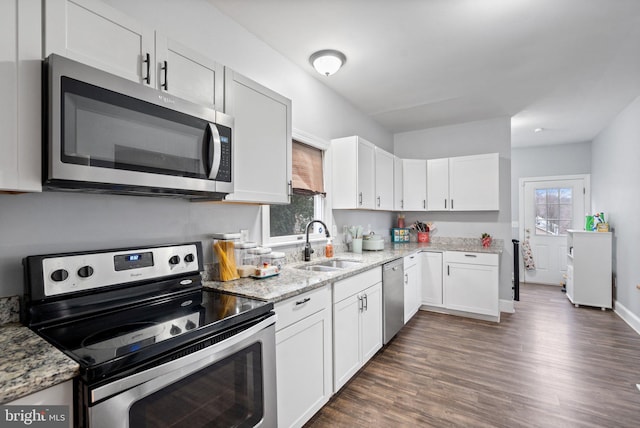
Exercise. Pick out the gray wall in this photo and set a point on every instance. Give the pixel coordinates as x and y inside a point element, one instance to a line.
<point>545,161</point>
<point>53,221</point>
<point>486,136</point>
<point>615,175</point>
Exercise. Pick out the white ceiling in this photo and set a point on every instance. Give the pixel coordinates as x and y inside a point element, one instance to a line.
<point>568,66</point>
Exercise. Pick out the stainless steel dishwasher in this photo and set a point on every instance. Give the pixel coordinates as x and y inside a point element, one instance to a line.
<point>393,297</point>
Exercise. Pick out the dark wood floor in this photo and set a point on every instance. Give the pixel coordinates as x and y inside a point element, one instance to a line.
<point>547,365</point>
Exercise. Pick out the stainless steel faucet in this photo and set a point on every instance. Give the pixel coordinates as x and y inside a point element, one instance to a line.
<point>307,246</point>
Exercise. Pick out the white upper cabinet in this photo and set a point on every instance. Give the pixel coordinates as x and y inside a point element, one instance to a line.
<point>353,176</point>
<point>98,35</point>
<point>414,184</point>
<point>438,185</point>
<point>474,182</point>
<point>464,183</point>
<point>20,104</point>
<point>384,180</point>
<point>261,141</point>
<point>187,74</point>
<point>397,184</point>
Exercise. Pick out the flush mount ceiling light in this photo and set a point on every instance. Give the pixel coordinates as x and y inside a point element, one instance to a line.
<point>327,61</point>
<point>538,130</point>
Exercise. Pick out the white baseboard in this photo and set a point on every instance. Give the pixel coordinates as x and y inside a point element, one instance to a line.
<point>507,306</point>
<point>627,316</point>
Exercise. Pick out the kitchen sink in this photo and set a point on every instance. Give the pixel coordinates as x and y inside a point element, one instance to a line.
<point>330,265</point>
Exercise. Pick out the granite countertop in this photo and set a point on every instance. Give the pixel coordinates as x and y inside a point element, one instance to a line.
<point>292,281</point>
<point>29,364</point>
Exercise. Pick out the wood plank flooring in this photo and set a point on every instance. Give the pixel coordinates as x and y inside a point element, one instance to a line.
<point>547,365</point>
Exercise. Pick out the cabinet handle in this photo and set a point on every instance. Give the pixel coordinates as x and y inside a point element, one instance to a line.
<point>378,200</point>
<point>147,61</point>
<point>360,303</point>
<point>470,255</point>
<point>406,278</point>
<point>360,198</point>
<point>165,67</point>
<point>303,301</point>
<point>447,270</point>
<point>366,302</point>
<point>451,203</point>
<point>402,203</point>
<point>445,203</point>
<point>424,204</point>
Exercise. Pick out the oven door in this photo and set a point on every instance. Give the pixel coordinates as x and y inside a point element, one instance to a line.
<point>231,383</point>
<point>109,133</point>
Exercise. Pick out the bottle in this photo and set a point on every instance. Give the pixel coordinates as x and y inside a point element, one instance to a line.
<point>328,251</point>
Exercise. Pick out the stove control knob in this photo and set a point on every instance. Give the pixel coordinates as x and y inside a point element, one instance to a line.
<point>85,271</point>
<point>174,260</point>
<point>59,275</point>
<point>175,330</point>
<point>190,325</point>
<point>189,258</point>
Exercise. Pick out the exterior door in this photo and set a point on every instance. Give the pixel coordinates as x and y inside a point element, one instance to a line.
<point>551,206</point>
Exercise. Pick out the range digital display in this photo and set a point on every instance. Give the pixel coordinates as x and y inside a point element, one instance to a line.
<point>132,261</point>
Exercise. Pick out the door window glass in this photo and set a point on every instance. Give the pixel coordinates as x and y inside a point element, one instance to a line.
<point>553,210</point>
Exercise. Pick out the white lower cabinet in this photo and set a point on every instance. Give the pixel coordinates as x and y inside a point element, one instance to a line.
<point>412,286</point>
<point>357,323</point>
<point>431,264</point>
<point>57,395</point>
<point>303,356</point>
<point>471,283</point>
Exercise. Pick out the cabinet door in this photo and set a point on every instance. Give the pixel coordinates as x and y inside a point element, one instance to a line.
<point>438,184</point>
<point>98,35</point>
<point>366,174</point>
<point>412,297</point>
<point>472,288</point>
<point>303,357</point>
<point>474,183</point>
<point>414,184</point>
<point>384,180</point>
<point>371,322</point>
<point>261,142</point>
<point>397,184</point>
<point>20,105</point>
<point>188,74</point>
<point>346,340</point>
<point>431,264</point>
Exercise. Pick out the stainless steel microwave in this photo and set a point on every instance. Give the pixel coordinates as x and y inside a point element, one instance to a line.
<point>108,134</point>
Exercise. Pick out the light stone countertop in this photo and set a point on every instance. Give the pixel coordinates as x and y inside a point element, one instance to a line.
<point>29,364</point>
<point>292,281</point>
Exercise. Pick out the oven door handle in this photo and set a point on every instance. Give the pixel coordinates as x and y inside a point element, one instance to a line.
<point>165,374</point>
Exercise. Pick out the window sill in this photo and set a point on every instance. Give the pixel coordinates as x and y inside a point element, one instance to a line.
<point>293,243</point>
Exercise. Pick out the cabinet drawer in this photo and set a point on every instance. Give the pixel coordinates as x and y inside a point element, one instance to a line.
<point>350,286</point>
<point>471,258</point>
<point>299,307</point>
<point>411,260</point>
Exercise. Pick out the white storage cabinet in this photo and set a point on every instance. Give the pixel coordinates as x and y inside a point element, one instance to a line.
<point>414,184</point>
<point>357,323</point>
<point>432,286</point>
<point>471,283</point>
<point>20,105</point>
<point>384,180</point>
<point>96,34</point>
<point>303,356</point>
<point>57,395</point>
<point>261,141</point>
<point>589,268</point>
<point>353,173</point>
<point>464,183</point>
<point>412,286</point>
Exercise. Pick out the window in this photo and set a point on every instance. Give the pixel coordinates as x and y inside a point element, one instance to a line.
<point>286,223</point>
<point>554,211</point>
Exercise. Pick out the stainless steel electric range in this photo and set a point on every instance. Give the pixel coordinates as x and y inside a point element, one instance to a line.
<point>155,349</point>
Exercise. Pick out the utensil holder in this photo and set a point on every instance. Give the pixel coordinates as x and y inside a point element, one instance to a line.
<point>423,236</point>
<point>356,245</point>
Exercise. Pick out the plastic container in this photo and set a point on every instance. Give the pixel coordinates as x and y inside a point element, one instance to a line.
<point>274,259</point>
<point>328,251</point>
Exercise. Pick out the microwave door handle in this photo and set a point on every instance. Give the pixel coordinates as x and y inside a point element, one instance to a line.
<point>214,144</point>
